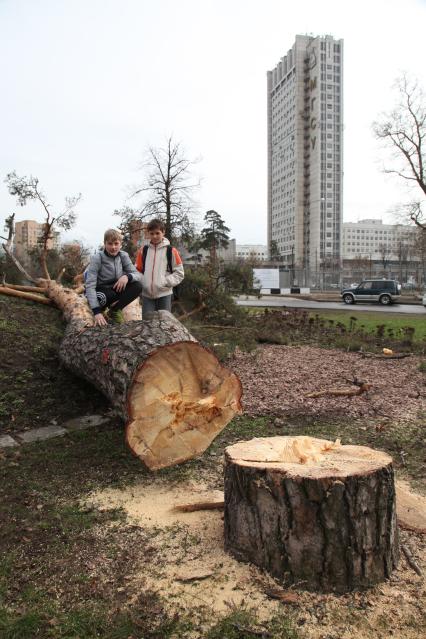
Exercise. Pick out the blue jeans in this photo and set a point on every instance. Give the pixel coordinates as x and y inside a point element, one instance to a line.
<point>159,304</point>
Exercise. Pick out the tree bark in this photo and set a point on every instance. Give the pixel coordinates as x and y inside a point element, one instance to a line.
<point>172,392</point>
<point>318,515</point>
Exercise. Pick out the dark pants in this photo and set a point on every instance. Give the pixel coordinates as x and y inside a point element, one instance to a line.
<point>107,296</point>
<point>159,304</point>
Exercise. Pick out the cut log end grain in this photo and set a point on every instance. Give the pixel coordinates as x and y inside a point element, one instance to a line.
<point>172,393</point>
<point>307,457</point>
<point>180,399</point>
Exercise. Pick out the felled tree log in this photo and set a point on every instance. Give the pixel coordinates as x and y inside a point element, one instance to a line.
<point>172,392</point>
<point>311,512</point>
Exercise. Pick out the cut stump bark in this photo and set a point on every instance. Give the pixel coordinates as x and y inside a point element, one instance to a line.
<point>312,513</point>
<point>172,392</point>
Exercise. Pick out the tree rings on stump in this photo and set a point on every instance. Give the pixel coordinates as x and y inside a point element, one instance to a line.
<point>312,512</point>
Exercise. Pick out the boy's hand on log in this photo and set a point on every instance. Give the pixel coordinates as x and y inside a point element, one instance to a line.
<point>100,320</point>
<point>121,284</point>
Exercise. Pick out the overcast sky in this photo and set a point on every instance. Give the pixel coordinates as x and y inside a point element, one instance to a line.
<point>87,85</point>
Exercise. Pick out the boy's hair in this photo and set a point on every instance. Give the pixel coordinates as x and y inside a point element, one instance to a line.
<point>156,224</point>
<point>111,235</point>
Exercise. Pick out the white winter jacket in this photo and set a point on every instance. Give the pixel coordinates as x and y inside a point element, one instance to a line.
<point>156,279</point>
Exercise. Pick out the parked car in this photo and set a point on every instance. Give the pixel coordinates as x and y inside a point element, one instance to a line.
<point>424,299</point>
<point>382,291</point>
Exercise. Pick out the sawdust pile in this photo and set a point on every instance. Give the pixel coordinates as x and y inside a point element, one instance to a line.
<point>193,573</point>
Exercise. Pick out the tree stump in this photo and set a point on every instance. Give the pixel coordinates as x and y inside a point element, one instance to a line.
<point>173,393</point>
<point>311,512</point>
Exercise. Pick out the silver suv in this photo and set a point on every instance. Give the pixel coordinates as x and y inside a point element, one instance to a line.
<point>383,291</point>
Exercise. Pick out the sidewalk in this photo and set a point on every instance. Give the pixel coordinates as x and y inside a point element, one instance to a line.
<point>53,430</point>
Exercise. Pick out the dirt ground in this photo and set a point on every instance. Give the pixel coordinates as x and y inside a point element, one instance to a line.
<point>277,379</point>
<point>194,573</point>
<point>67,545</point>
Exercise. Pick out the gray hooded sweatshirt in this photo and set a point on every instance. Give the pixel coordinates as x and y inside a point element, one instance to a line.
<point>105,270</point>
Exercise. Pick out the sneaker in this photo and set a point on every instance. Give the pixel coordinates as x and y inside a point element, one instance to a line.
<point>117,316</point>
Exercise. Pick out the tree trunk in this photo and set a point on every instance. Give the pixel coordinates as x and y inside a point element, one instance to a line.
<point>311,512</point>
<point>172,392</point>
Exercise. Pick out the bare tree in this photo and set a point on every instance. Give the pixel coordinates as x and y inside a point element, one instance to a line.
<point>360,266</point>
<point>167,192</point>
<point>403,130</point>
<point>419,251</point>
<point>403,252</point>
<point>27,188</point>
<point>385,255</point>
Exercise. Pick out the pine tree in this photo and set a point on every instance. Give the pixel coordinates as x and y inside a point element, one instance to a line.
<point>214,235</point>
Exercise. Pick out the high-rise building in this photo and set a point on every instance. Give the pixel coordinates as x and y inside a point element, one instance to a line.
<point>305,155</point>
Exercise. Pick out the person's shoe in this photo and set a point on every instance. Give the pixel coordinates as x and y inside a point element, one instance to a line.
<point>117,316</point>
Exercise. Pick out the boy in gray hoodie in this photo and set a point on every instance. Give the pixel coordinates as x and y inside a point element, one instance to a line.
<point>111,280</point>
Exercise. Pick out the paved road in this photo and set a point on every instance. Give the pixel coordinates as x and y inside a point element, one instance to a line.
<point>266,300</point>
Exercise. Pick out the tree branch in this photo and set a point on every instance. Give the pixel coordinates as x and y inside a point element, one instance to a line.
<point>18,264</point>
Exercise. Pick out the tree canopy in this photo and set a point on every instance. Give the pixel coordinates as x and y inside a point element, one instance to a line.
<point>27,188</point>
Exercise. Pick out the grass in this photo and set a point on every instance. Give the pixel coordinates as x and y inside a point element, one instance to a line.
<point>243,624</point>
<point>48,540</point>
<point>31,334</point>
<point>66,569</point>
<point>329,329</point>
<point>369,321</point>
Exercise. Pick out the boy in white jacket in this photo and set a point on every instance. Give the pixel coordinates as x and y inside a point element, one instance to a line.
<point>159,274</point>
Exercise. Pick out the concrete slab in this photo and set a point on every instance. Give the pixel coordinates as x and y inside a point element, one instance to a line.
<point>40,434</point>
<point>87,421</point>
<point>7,442</point>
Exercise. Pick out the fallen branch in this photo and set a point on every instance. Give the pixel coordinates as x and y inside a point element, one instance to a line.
<point>78,280</point>
<point>201,505</point>
<point>18,264</point>
<point>285,596</point>
<point>410,560</point>
<point>25,289</point>
<point>26,296</point>
<point>59,275</point>
<point>341,392</point>
<point>193,312</point>
<point>377,356</point>
<point>224,328</point>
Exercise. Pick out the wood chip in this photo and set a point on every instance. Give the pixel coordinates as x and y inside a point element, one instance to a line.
<point>194,575</point>
<point>285,596</point>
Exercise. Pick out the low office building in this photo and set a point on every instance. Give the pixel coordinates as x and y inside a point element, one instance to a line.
<point>252,251</point>
<point>373,239</point>
<point>374,249</point>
